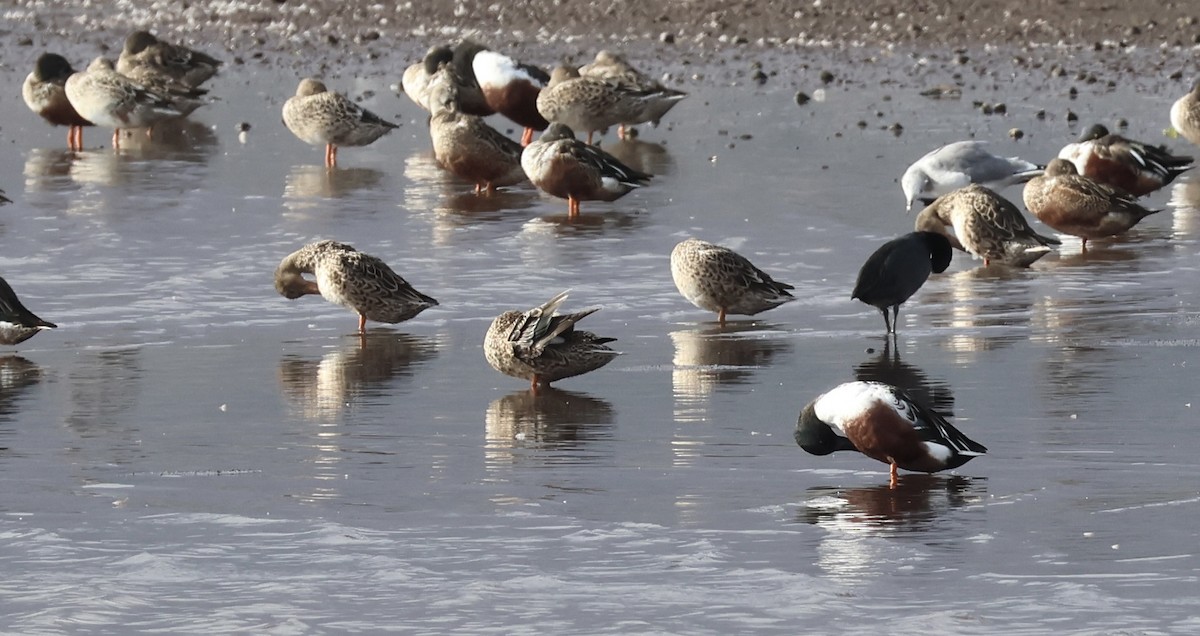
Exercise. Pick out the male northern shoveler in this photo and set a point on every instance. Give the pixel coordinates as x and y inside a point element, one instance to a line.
<point>415,81</point>
<point>567,168</point>
<point>511,88</point>
<point>882,422</point>
<point>1185,115</point>
<point>145,57</point>
<point>470,97</point>
<point>318,116</point>
<point>468,147</point>
<point>1122,163</point>
<point>958,165</point>
<point>45,94</point>
<point>107,98</point>
<point>347,277</point>
<point>17,324</point>
<point>613,68</point>
<point>543,347</point>
<point>719,279</point>
<point>895,271</point>
<point>987,225</point>
<point>1080,206</point>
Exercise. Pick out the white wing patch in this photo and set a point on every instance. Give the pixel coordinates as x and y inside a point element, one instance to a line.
<point>495,70</point>
<point>848,401</point>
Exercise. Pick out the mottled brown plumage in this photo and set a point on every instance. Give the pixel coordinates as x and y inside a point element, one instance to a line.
<point>985,224</point>
<point>1080,206</point>
<point>318,116</point>
<point>44,92</point>
<point>147,59</point>
<point>720,280</point>
<point>466,145</point>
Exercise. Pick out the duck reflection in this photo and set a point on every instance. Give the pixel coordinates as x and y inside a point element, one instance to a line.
<point>917,504</point>
<point>358,372</point>
<point>986,308</point>
<point>887,367</point>
<point>178,139</point>
<point>711,356</point>
<point>643,156</point>
<point>1185,198</point>
<point>307,181</point>
<point>525,426</point>
<point>16,375</point>
<point>105,387</point>
<point>48,170</point>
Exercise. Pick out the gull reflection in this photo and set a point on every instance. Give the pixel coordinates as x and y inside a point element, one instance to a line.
<point>361,371</point>
<point>307,181</point>
<point>551,426</point>
<point>711,356</point>
<point>887,367</point>
<point>16,375</point>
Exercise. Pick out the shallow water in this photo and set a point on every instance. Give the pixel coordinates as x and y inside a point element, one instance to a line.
<point>192,452</point>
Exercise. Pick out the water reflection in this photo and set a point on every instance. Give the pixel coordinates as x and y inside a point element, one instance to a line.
<point>105,388</point>
<point>307,181</point>
<point>644,156</point>
<point>360,371</point>
<point>918,504</point>
<point>16,375</point>
<point>988,308</point>
<point>181,139</point>
<point>1185,198</point>
<point>887,367</point>
<point>48,170</point>
<point>551,426</point>
<point>711,356</point>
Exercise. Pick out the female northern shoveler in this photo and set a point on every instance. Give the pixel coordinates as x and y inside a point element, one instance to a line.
<point>1122,163</point>
<point>45,94</point>
<point>1077,205</point>
<point>145,57</point>
<point>468,147</point>
<point>415,81</point>
<point>17,324</point>
<point>895,271</point>
<point>1185,115</point>
<point>107,98</point>
<point>987,225</point>
<point>567,168</point>
<point>881,422</point>
<point>958,165</point>
<point>588,103</point>
<point>719,279</point>
<point>612,67</point>
<point>347,277</point>
<point>318,116</point>
<point>542,347</point>
<point>511,89</point>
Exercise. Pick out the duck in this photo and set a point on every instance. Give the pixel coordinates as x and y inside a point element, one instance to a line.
<point>415,81</point>
<point>895,271</point>
<point>543,346</point>
<point>347,277</point>
<point>511,88</point>
<point>467,146</point>
<point>987,225</point>
<point>562,166</point>
<point>1132,166</point>
<point>959,164</point>
<point>613,67</point>
<point>718,279</point>
<point>1185,115</point>
<point>107,98</point>
<point>470,96</point>
<point>318,116</point>
<point>588,103</point>
<point>1080,206</point>
<point>17,324</point>
<point>44,92</point>
<point>144,57</point>
<point>882,422</point>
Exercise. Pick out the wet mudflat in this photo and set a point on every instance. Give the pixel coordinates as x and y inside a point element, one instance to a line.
<point>192,452</point>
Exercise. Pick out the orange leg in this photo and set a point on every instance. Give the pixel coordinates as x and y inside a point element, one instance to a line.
<point>71,138</point>
<point>721,316</point>
<point>621,131</point>
<point>590,137</point>
<point>79,137</point>
<point>330,155</point>
<point>893,476</point>
<point>572,207</point>
<point>527,137</point>
<point>362,325</point>
<point>117,139</point>
<point>534,384</point>
<point>986,262</point>
<point>478,188</point>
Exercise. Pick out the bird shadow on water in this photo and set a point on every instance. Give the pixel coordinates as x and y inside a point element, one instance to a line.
<point>711,355</point>
<point>643,156</point>
<point>551,426</point>
<point>917,503</point>
<point>888,368</point>
<point>361,370</point>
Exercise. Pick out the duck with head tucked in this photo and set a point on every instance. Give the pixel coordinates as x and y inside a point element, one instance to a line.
<point>987,225</point>
<point>1185,115</point>
<point>562,166</point>
<point>466,145</point>
<point>145,58</point>
<point>719,279</point>
<point>107,98</point>
<point>347,277</point>
<point>44,92</point>
<point>1132,166</point>
<point>1080,206</point>
<point>319,116</point>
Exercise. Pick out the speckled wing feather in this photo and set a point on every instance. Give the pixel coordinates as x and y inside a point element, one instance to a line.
<point>376,280</point>
<point>747,275</point>
<point>1008,222</point>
